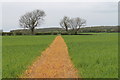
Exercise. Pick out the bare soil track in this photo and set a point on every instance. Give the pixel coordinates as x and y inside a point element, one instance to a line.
<point>53,63</point>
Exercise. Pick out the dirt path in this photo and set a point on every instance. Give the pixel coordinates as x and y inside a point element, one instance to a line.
<point>53,63</point>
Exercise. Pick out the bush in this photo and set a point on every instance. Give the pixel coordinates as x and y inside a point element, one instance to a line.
<point>7,33</point>
<point>46,33</point>
<point>18,33</point>
<point>64,33</point>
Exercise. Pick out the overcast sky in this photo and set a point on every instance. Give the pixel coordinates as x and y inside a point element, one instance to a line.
<point>96,13</point>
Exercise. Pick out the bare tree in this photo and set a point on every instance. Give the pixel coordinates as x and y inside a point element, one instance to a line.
<point>73,24</point>
<point>77,23</point>
<point>32,19</point>
<point>64,23</point>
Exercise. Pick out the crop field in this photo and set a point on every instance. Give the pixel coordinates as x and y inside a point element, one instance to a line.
<point>94,56</point>
<point>20,51</point>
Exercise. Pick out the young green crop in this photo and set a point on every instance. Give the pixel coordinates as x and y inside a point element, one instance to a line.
<point>95,56</point>
<point>20,51</point>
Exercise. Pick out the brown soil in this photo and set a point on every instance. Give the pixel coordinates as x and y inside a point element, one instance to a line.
<point>53,63</point>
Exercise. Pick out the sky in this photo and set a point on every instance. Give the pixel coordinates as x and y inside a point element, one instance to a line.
<point>95,13</point>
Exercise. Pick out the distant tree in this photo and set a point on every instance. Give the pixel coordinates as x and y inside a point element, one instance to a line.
<point>64,23</point>
<point>72,24</point>
<point>32,19</point>
<point>77,23</point>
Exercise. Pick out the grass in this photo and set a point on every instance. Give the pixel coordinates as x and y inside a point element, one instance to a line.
<point>95,56</point>
<point>0,57</point>
<point>20,51</point>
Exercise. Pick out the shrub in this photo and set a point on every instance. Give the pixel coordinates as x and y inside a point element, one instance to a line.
<point>7,33</point>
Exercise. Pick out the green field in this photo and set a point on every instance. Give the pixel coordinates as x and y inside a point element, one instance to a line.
<point>95,56</point>
<point>1,57</point>
<point>20,51</point>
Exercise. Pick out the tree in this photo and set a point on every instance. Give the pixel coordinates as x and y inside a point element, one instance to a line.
<point>32,19</point>
<point>77,23</point>
<point>72,24</point>
<point>64,23</point>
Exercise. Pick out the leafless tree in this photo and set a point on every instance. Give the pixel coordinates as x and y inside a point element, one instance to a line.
<point>64,23</point>
<point>73,24</point>
<point>32,19</point>
<point>77,23</point>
